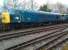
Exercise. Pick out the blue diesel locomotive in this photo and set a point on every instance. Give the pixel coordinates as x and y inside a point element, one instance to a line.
<point>22,19</point>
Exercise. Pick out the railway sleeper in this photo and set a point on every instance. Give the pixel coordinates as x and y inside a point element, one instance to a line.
<point>21,45</point>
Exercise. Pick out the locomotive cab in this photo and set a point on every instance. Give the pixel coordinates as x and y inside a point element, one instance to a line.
<point>5,20</point>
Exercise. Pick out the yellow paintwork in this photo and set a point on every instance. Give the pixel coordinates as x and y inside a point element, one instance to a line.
<point>5,17</point>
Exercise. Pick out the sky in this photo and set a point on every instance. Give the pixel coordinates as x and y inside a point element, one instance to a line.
<point>65,2</point>
<point>1,2</point>
<point>41,2</point>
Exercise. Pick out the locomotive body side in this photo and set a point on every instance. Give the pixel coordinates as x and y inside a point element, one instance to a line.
<point>36,17</point>
<point>30,18</point>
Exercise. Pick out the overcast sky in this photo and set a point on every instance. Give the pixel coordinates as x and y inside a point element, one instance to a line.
<point>41,2</point>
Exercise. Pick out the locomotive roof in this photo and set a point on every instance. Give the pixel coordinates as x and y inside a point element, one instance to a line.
<point>52,13</point>
<point>42,12</point>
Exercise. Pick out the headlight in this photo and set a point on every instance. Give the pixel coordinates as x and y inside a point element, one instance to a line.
<point>17,18</point>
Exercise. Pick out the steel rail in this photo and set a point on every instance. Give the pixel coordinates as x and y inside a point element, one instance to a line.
<point>8,36</point>
<point>36,40</point>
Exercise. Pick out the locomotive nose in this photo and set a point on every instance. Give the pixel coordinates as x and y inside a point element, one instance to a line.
<point>5,17</point>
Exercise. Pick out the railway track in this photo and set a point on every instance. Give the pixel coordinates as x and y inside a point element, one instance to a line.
<point>54,41</point>
<point>27,30</point>
<point>46,39</point>
<point>18,34</point>
<point>40,42</point>
<point>33,28</point>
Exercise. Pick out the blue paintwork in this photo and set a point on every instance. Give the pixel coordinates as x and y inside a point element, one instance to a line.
<point>34,16</point>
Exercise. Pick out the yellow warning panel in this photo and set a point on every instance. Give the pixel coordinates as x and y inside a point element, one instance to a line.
<point>5,17</point>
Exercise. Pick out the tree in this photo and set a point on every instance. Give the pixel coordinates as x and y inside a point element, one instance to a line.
<point>44,8</point>
<point>61,8</point>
